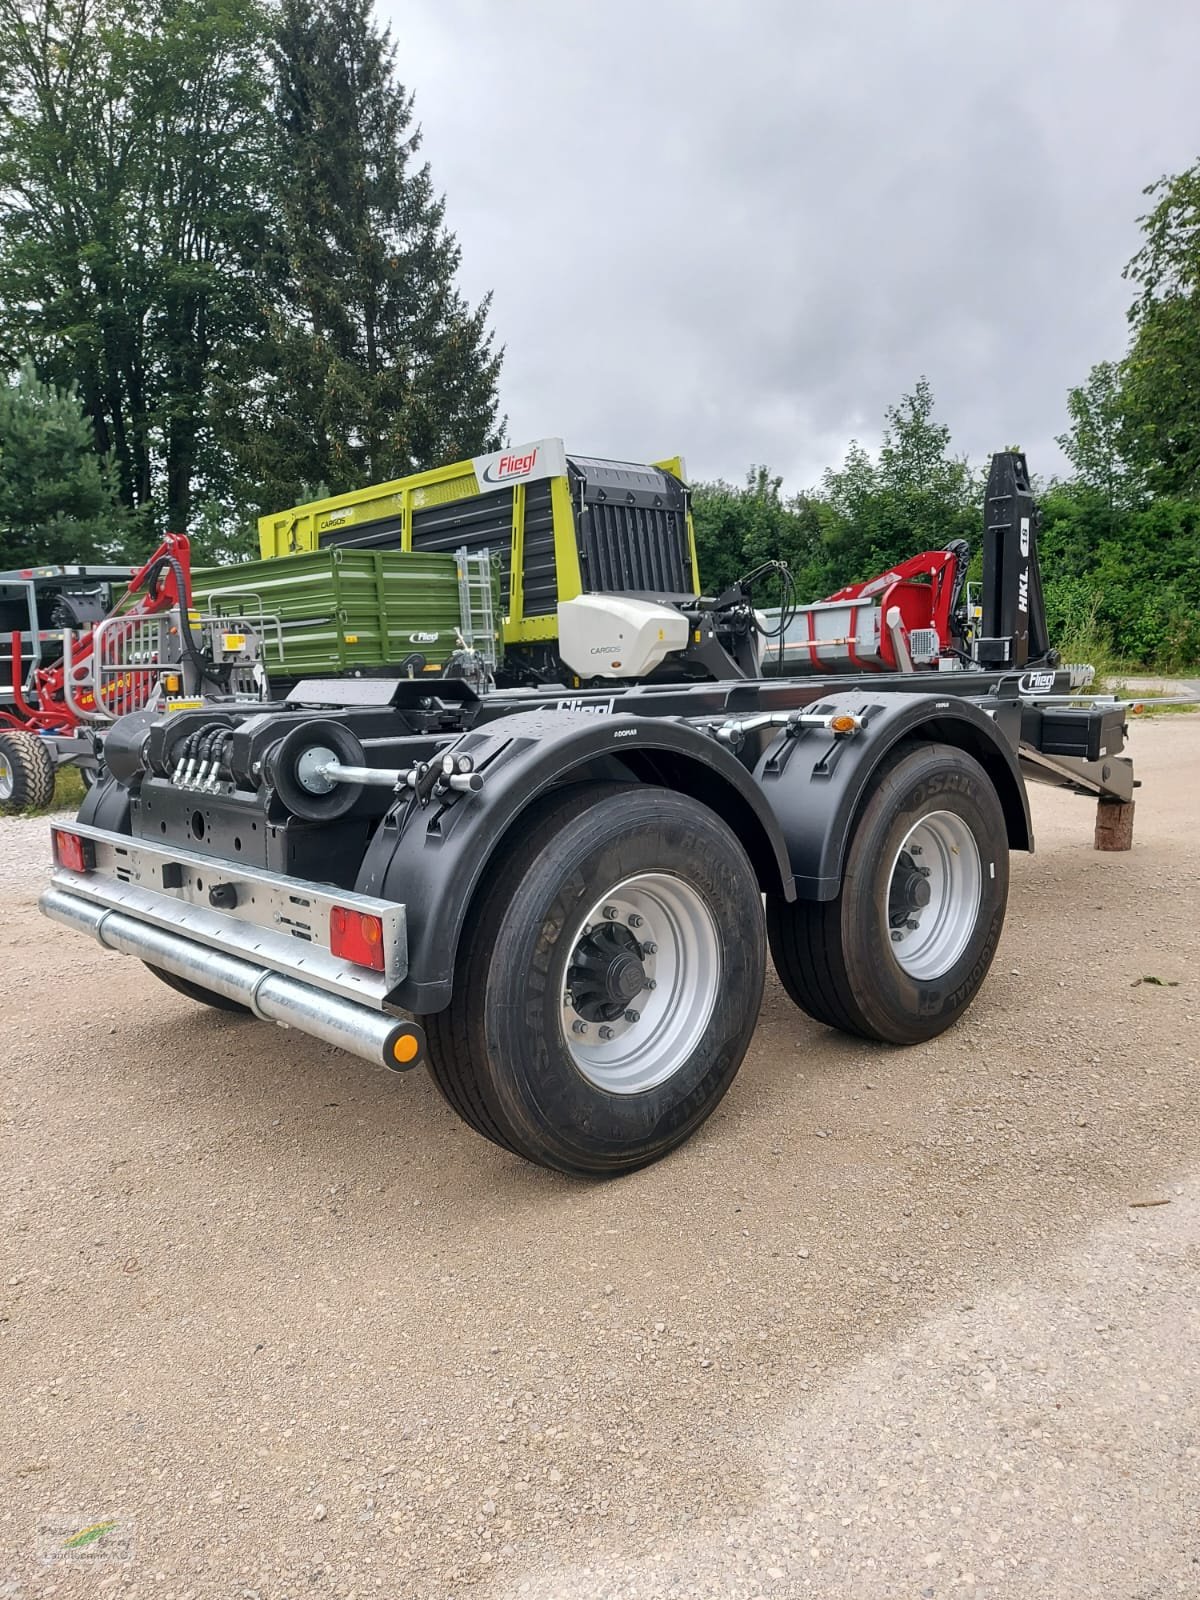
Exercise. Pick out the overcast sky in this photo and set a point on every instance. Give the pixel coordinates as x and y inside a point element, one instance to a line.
<point>740,231</point>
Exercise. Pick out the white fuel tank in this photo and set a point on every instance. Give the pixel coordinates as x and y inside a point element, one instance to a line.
<point>614,636</point>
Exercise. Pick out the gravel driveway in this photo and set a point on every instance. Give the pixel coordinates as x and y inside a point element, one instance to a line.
<point>910,1323</point>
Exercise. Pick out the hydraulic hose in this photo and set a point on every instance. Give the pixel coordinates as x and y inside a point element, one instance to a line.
<point>153,583</point>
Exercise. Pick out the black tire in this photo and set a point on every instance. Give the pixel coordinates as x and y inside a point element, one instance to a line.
<point>499,1053</point>
<point>26,773</point>
<point>196,991</point>
<point>837,958</point>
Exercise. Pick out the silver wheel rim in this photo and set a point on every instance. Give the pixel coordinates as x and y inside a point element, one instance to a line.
<point>640,983</point>
<point>934,893</point>
<point>6,778</point>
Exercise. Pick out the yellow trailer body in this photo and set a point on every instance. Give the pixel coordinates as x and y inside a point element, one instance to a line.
<point>556,525</point>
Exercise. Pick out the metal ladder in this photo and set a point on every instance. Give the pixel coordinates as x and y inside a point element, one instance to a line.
<point>476,603</point>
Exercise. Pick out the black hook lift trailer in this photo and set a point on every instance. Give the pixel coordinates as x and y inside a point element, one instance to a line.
<point>567,888</point>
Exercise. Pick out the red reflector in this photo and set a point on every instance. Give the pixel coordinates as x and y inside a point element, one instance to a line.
<point>356,936</point>
<point>71,851</point>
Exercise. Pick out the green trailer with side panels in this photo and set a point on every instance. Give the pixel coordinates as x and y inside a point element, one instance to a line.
<point>558,526</point>
<point>339,609</point>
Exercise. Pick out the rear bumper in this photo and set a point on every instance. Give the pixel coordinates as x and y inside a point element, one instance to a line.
<point>278,966</point>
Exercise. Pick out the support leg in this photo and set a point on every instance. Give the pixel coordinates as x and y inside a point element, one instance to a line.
<point>1114,825</point>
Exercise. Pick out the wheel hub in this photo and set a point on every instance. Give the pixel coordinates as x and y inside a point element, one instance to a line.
<point>934,895</point>
<point>6,778</point>
<point>607,970</point>
<point>640,982</point>
<point>910,891</point>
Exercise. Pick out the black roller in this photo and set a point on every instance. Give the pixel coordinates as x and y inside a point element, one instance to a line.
<point>290,768</point>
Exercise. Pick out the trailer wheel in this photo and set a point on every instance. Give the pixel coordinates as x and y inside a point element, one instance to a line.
<point>26,773</point>
<point>901,951</point>
<point>197,991</point>
<point>608,982</point>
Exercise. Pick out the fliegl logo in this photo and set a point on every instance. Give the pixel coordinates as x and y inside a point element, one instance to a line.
<point>1036,683</point>
<point>521,463</point>
<point>594,708</point>
<point>511,466</point>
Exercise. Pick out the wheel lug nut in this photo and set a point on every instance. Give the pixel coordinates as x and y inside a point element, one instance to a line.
<point>649,948</point>
<point>579,1027</point>
<point>633,1016</point>
<point>651,983</point>
<point>912,925</point>
<point>924,871</point>
<point>606,1033</point>
<point>569,1000</point>
<point>635,921</point>
<point>611,913</point>
<point>896,936</point>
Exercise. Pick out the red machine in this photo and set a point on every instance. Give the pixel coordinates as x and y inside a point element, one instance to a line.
<point>55,701</point>
<point>910,616</point>
<point>925,590</point>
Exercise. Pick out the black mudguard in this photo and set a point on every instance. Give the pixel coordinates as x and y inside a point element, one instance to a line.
<point>431,858</point>
<point>815,782</point>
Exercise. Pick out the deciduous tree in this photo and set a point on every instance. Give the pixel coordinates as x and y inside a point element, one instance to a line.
<point>1163,367</point>
<point>133,151</point>
<point>916,496</point>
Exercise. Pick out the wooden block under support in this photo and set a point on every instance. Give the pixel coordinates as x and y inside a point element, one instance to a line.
<point>1114,825</point>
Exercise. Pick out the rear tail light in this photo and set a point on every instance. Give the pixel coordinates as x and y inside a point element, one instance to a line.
<point>356,936</point>
<point>71,851</point>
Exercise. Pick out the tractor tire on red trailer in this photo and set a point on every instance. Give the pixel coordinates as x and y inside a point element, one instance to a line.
<point>900,953</point>
<point>26,773</point>
<point>608,982</point>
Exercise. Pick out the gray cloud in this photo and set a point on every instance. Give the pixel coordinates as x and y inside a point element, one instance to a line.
<point>741,231</point>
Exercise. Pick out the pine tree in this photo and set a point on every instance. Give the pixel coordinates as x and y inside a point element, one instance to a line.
<point>57,500</point>
<point>378,365</point>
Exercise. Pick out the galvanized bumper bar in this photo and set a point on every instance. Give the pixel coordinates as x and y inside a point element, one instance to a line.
<point>375,1036</point>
